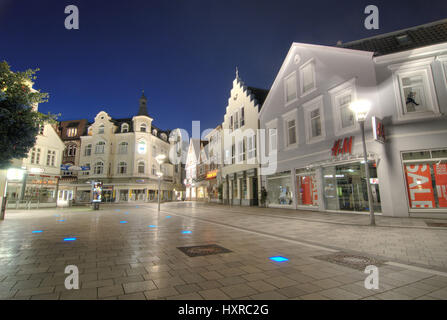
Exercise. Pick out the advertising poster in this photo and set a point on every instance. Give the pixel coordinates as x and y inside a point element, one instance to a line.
<point>441,183</point>
<point>420,188</point>
<point>306,190</point>
<point>97,191</point>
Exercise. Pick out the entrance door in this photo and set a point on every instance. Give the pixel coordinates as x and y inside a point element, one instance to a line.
<point>255,191</point>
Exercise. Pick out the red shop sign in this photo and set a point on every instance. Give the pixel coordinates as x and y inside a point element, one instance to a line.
<point>420,189</point>
<point>441,183</point>
<point>342,146</point>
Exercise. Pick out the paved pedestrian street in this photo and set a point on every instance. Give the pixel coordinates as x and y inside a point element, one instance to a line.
<point>132,252</point>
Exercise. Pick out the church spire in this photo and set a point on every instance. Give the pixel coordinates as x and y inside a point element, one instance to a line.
<point>143,105</point>
<point>237,73</point>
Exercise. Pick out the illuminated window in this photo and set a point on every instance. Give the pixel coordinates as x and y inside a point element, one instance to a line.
<point>72,132</point>
<point>141,147</point>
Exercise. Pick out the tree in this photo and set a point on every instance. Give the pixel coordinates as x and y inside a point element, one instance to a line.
<point>19,121</point>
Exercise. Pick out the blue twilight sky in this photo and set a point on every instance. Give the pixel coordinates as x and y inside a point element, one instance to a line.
<point>183,53</point>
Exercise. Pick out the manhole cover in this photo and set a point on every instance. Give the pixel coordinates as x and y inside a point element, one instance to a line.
<point>205,250</point>
<point>351,260</point>
<point>436,224</point>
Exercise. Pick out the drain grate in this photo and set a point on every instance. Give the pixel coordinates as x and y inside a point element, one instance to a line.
<point>351,260</point>
<point>436,224</point>
<point>205,250</point>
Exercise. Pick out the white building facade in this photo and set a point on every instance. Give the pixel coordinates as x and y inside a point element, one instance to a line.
<point>317,141</point>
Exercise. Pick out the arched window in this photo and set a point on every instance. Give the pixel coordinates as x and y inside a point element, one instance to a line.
<point>71,150</point>
<point>122,167</point>
<point>141,167</point>
<point>99,167</point>
<point>124,128</point>
<point>154,170</point>
<point>122,148</point>
<point>99,148</point>
<point>101,129</point>
<point>141,147</point>
<point>88,150</point>
<point>143,127</point>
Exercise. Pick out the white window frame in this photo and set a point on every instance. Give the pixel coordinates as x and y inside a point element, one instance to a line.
<point>101,129</point>
<point>251,146</point>
<point>123,147</point>
<point>122,167</point>
<point>100,166</point>
<point>97,150</point>
<point>271,129</point>
<point>89,149</point>
<point>286,79</point>
<point>309,64</point>
<point>308,107</point>
<point>418,67</point>
<point>287,117</point>
<point>51,158</point>
<point>242,117</point>
<point>143,125</point>
<point>124,128</point>
<point>443,61</point>
<point>347,87</point>
<point>236,120</point>
<point>241,150</point>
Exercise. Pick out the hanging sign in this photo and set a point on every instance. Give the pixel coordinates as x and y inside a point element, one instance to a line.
<point>378,130</point>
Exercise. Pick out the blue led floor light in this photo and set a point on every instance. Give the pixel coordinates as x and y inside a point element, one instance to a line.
<point>37,231</point>
<point>123,221</point>
<point>69,239</point>
<point>186,232</point>
<point>279,259</point>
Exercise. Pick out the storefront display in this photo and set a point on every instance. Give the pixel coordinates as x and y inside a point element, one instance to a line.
<point>279,189</point>
<point>345,187</point>
<point>306,187</point>
<point>426,178</point>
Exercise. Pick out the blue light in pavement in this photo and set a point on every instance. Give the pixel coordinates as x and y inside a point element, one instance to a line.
<point>168,217</point>
<point>37,231</point>
<point>69,239</point>
<point>279,259</point>
<point>186,232</point>
<point>152,226</point>
<point>126,212</point>
<point>62,220</point>
<point>117,210</point>
<point>123,221</point>
<point>136,207</point>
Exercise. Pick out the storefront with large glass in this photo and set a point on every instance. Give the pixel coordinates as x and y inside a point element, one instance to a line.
<point>345,187</point>
<point>426,180</point>
<point>279,190</point>
<point>306,188</point>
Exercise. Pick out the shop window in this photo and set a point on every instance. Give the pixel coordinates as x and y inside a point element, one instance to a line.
<point>290,88</point>
<point>345,187</point>
<point>279,189</point>
<point>307,188</point>
<point>426,180</point>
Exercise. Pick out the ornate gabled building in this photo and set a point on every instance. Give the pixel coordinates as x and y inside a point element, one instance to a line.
<point>239,141</point>
<point>121,154</point>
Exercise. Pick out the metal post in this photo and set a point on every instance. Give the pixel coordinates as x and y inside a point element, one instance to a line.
<point>159,182</point>
<point>4,202</point>
<point>368,185</point>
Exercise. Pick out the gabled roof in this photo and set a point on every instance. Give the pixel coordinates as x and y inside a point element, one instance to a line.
<point>260,94</point>
<point>402,40</point>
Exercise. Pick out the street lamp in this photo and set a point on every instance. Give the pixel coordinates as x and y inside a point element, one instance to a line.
<point>361,109</point>
<point>160,159</point>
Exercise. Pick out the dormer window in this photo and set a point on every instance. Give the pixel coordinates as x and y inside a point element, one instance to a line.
<point>154,132</point>
<point>72,132</point>
<point>164,136</point>
<point>143,127</point>
<point>124,128</point>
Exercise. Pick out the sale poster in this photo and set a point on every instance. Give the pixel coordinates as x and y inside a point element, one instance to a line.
<point>306,190</point>
<point>441,183</point>
<point>420,188</point>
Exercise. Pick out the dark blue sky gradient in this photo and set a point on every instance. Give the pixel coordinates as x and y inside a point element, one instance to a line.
<point>182,53</point>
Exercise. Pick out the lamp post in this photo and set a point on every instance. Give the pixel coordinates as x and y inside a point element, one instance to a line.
<point>361,109</point>
<point>160,159</point>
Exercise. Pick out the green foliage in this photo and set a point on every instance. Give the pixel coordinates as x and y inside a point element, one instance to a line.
<point>19,122</point>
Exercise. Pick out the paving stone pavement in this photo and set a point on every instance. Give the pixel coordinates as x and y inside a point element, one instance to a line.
<point>134,261</point>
